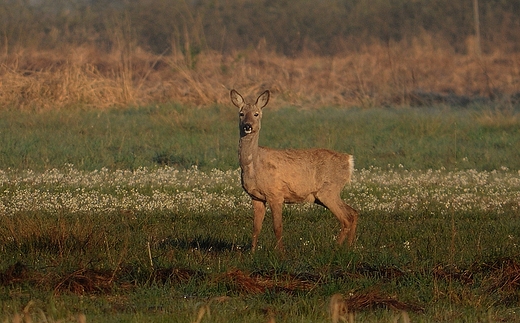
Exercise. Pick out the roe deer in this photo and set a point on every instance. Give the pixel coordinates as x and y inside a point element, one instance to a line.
<point>290,176</point>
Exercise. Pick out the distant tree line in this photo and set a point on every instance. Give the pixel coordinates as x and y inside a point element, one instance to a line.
<point>289,27</point>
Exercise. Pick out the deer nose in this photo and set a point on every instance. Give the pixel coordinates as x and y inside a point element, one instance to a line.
<point>247,128</point>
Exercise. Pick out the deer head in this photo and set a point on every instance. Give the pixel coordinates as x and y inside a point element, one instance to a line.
<point>250,115</point>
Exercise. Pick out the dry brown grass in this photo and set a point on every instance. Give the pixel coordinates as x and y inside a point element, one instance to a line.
<point>343,309</point>
<point>394,74</point>
<point>260,282</point>
<point>499,117</point>
<point>368,300</point>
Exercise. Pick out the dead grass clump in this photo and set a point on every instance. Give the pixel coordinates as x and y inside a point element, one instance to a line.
<point>503,277</point>
<point>453,273</point>
<point>86,281</point>
<point>81,281</point>
<point>96,281</point>
<point>343,309</point>
<point>243,282</point>
<point>498,276</point>
<point>501,274</point>
<point>376,299</point>
<point>259,283</point>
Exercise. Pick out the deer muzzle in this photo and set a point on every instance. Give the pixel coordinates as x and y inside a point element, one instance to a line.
<point>247,128</point>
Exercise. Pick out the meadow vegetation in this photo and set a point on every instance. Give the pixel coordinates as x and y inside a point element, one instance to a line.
<point>137,214</point>
<point>481,137</point>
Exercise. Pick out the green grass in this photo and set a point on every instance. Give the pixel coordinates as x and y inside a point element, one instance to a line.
<point>130,232</point>
<point>482,138</point>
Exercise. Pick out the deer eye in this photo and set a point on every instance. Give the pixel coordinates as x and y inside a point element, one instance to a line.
<point>256,114</point>
<point>241,114</point>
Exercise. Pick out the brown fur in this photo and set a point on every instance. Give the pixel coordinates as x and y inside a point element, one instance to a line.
<point>290,176</point>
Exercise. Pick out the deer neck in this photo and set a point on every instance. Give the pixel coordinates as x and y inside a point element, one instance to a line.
<point>248,151</point>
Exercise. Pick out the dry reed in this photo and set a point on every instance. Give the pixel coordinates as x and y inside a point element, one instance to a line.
<point>394,74</point>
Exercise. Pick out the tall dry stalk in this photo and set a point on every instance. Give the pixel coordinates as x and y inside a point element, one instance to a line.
<point>124,46</point>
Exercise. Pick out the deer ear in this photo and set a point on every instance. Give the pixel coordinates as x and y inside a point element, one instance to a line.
<point>237,99</point>
<point>263,99</point>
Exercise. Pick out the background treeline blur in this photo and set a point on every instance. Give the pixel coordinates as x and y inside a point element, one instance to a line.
<point>288,27</point>
<point>105,53</point>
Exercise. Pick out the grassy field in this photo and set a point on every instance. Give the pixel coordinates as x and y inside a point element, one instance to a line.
<point>480,137</point>
<point>137,215</point>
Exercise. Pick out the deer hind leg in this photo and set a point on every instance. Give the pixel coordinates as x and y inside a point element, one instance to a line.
<point>259,214</point>
<point>346,215</point>
<point>352,215</point>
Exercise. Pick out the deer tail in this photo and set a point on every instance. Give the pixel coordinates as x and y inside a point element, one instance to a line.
<point>350,167</point>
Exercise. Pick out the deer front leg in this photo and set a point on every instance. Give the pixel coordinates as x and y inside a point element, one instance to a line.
<point>259,214</point>
<point>276,210</point>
